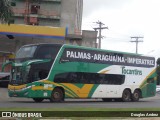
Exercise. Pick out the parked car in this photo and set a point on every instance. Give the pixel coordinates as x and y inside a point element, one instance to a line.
<point>4,79</point>
<point>158,88</point>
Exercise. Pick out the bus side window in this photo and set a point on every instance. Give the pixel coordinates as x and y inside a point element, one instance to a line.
<point>47,52</point>
<point>114,79</point>
<point>101,79</point>
<point>105,81</point>
<point>72,77</point>
<point>89,78</point>
<point>86,78</point>
<point>43,74</point>
<point>92,78</point>
<point>61,78</point>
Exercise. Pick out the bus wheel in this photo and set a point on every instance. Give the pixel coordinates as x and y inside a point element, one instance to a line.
<point>126,96</point>
<point>136,96</point>
<point>57,95</point>
<point>38,99</point>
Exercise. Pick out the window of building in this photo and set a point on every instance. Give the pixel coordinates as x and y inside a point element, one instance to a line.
<point>35,9</point>
<point>89,78</point>
<point>33,21</point>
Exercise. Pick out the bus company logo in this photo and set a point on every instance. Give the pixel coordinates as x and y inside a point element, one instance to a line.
<point>6,114</point>
<point>131,71</point>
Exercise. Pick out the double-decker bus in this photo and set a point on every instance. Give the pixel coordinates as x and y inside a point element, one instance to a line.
<point>56,72</point>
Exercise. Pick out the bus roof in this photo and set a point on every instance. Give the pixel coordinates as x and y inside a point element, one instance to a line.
<point>39,44</point>
<point>82,47</point>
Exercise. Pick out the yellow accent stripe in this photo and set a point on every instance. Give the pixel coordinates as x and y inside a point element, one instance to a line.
<point>63,85</point>
<point>69,95</point>
<point>147,83</point>
<point>12,87</point>
<point>142,84</point>
<point>69,90</point>
<point>80,92</point>
<point>41,88</point>
<point>104,71</point>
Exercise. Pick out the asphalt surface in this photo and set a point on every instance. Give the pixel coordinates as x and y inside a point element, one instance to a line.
<point>7,102</point>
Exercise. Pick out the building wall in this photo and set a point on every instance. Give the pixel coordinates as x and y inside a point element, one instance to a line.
<point>4,57</point>
<point>79,10</point>
<point>71,15</point>
<point>14,36</point>
<point>89,38</point>
<point>56,13</point>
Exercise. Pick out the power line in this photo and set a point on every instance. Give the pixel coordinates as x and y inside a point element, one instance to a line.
<point>100,28</point>
<point>136,41</point>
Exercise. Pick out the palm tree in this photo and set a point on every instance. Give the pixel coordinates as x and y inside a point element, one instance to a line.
<point>5,11</point>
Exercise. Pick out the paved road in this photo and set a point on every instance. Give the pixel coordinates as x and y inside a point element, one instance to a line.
<point>6,102</point>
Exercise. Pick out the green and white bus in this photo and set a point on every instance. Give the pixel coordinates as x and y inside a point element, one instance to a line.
<point>56,72</point>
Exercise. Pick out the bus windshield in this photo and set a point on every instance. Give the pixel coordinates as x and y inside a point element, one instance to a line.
<point>27,67</point>
<point>26,52</point>
<point>19,75</point>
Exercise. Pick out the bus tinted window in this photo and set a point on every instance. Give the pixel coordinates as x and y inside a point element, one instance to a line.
<point>26,52</point>
<point>89,78</point>
<point>47,52</point>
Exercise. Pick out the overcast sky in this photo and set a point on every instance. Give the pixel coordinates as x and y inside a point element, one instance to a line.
<point>125,19</point>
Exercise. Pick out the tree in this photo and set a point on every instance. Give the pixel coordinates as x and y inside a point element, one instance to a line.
<point>5,11</point>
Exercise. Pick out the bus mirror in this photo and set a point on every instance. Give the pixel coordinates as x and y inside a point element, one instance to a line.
<point>63,61</point>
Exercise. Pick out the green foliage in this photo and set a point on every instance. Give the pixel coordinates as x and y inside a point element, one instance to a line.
<point>5,11</point>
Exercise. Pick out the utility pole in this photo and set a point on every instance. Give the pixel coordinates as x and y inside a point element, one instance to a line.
<point>136,41</point>
<point>100,32</point>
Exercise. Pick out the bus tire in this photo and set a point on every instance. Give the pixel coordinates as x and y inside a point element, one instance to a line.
<point>135,96</point>
<point>38,100</point>
<point>57,95</point>
<point>126,96</point>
